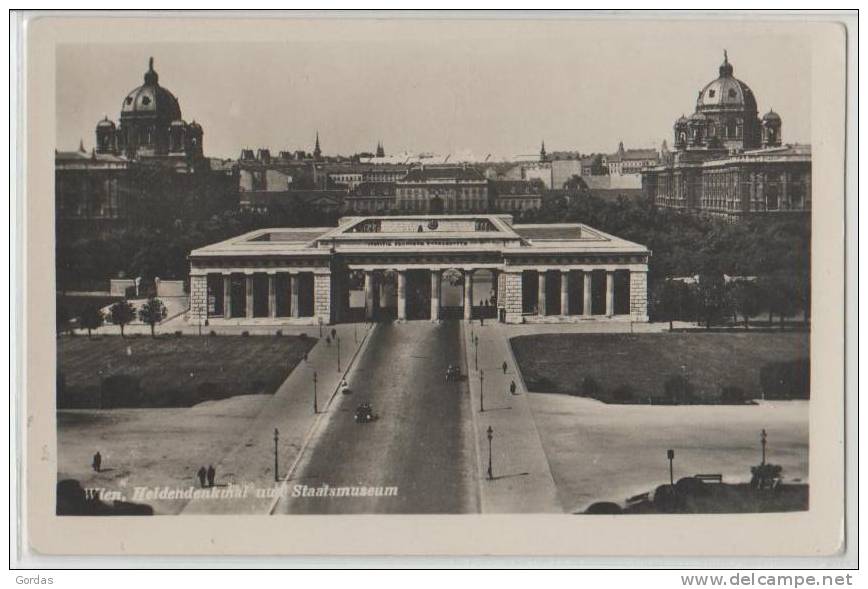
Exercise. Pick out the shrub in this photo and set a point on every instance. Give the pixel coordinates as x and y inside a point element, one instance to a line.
<point>764,475</point>
<point>120,390</point>
<point>623,394</point>
<point>786,380</point>
<point>603,508</point>
<point>178,333</point>
<point>212,333</point>
<point>245,333</point>
<point>665,500</point>
<point>690,487</point>
<point>590,387</point>
<point>302,336</point>
<point>678,389</point>
<point>732,395</point>
<point>278,333</point>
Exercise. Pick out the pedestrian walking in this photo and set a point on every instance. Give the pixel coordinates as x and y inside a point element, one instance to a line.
<point>201,473</point>
<point>97,461</point>
<point>211,474</point>
<point>512,388</point>
<point>504,366</point>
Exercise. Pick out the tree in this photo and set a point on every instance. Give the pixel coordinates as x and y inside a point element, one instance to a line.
<point>152,312</point>
<point>122,313</point>
<point>91,318</point>
<point>747,299</point>
<point>669,298</point>
<point>711,298</point>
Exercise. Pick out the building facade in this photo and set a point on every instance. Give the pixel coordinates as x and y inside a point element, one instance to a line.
<point>401,267</point>
<point>439,189</point>
<point>629,161</point>
<point>727,161</point>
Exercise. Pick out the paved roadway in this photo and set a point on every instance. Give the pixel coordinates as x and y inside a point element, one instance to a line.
<point>421,442</point>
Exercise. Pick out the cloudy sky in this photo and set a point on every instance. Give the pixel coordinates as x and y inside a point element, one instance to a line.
<point>443,87</point>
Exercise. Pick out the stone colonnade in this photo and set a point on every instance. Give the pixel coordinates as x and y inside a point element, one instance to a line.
<point>511,294</point>
<point>317,289</point>
<point>317,294</point>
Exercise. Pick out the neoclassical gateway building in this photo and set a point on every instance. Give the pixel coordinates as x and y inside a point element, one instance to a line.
<point>419,267</point>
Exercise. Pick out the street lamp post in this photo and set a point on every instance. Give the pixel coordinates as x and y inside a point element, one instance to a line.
<point>338,340</point>
<point>276,436</point>
<point>476,342</point>
<point>481,392</point>
<point>314,393</point>
<point>763,437</point>
<point>320,326</point>
<point>490,436</point>
<point>670,454</point>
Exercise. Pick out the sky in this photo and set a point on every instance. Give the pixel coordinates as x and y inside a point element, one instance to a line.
<point>480,88</point>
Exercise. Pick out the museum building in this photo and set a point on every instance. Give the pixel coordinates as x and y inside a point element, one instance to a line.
<point>728,161</point>
<point>428,267</point>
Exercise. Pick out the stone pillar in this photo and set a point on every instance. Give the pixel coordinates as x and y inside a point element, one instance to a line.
<point>509,296</point>
<point>199,297</point>
<point>541,293</point>
<point>248,292</point>
<point>586,295</point>
<point>435,295</point>
<point>639,295</point>
<point>468,294</point>
<point>227,296</point>
<point>610,293</point>
<point>565,292</point>
<point>402,295</point>
<point>369,295</point>
<point>293,295</point>
<point>322,297</point>
<point>272,295</point>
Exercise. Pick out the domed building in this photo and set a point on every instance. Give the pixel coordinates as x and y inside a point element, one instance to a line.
<point>729,162</point>
<point>150,125</point>
<point>725,115</point>
<point>151,152</point>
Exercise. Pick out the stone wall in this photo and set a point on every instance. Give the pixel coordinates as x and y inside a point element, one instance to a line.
<point>639,296</point>
<point>198,295</point>
<point>322,297</point>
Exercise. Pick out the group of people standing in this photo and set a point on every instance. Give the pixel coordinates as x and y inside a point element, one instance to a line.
<point>206,476</point>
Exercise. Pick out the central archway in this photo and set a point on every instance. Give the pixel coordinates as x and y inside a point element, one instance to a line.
<point>452,294</point>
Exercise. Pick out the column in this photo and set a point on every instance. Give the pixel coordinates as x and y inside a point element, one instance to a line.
<point>468,294</point>
<point>435,295</point>
<point>369,295</point>
<point>248,285</point>
<point>639,295</point>
<point>610,293</point>
<point>565,292</point>
<point>272,295</point>
<point>586,298</point>
<point>199,296</point>
<point>322,297</point>
<point>293,295</point>
<point>402,295</point>
<point>227,296</point>
<point>541,293</point>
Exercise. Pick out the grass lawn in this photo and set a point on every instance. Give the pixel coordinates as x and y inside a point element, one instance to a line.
<point>111,371</point>
<point>558,363</point>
